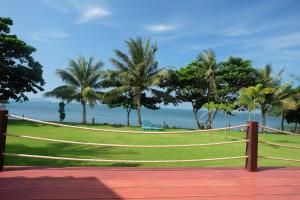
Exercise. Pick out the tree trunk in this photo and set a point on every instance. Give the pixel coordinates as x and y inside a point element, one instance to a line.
<point>295,129</point>
<point>83,113</point>
<point>128,116</point>
<point>282,121</point>
<point>139,109</point>
<point>213,117</point>
<point>263,115</point>
<point>208,125</point>
<point>195,111</point>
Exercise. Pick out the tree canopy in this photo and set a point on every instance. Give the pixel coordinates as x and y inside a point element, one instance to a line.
<point>186,85</point>
<point>19,72</point>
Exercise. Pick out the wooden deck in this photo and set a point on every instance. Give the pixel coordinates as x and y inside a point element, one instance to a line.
<point>149,183</point>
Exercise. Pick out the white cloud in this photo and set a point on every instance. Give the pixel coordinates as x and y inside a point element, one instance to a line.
<point>49,36</point>
<point>241,32</point>
<point>91,13</point>
<point>284,41</point>
<point>160,27</point>
<point>277,43</point>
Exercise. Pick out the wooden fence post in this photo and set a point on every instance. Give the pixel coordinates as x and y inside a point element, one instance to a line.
<point>252,146</point>
<point>3,128</point>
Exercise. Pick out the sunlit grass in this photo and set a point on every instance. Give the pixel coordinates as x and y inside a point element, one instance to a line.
<point>27,146</point>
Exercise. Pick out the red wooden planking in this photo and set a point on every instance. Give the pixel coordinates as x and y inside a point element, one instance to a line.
<point>149,183</point>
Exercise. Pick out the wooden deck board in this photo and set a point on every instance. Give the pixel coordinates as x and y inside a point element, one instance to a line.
<point>149,183</point>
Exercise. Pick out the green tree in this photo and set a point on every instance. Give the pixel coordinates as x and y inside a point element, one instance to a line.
<point>61,111</point>
<point>19,72</point>
<point>186,85</point>
<point>269,85</point>
<point>293,116</point>
<point>250,98</point>
<point>82,81</point>
<point>284,99</point>
<point>138,70</point>
<point>234,74</point>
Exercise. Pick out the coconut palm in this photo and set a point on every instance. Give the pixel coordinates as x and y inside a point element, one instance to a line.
<point>138,70</point>
<point>250,98</point>
<point>269,86</point>
<point>207,61</point>
<point>82,79</point>
<point>283,101</point>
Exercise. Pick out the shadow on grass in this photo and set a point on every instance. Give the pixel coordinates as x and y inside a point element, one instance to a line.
<point>63,150</point>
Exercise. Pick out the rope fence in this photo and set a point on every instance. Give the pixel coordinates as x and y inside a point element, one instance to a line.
<point>124,145</point>
<point>251,143</point>
<point>280,159</point>
<point>122,161</point>
<point>279,145</point>
<point>122,131</point>
<point>279,131</point>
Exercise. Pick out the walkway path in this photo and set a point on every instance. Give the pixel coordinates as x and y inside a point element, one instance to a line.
<point>149,183</point>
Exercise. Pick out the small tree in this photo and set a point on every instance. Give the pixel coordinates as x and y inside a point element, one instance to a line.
<point>293,116</point>
<point>61,111</point>
<point>249,98</point>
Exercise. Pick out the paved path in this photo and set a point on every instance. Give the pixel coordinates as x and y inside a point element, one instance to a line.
<point>149,183</point>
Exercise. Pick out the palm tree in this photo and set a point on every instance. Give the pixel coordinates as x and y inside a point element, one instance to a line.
<point>138,70</point>
<point>249,98</point>
<point>269,85</point>
<point>82,80</point>
<point>207,61</point>
<point>283,101</point>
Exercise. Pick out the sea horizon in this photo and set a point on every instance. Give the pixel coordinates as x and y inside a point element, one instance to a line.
<point>173,117</point>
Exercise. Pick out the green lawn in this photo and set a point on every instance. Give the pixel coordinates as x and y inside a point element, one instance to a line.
<point>27,146</point>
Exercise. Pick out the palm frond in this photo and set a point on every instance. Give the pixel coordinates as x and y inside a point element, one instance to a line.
<point>67,77</point>
<point>65,92</point>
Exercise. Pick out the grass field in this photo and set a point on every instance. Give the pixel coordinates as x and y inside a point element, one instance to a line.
<point>28,146</point>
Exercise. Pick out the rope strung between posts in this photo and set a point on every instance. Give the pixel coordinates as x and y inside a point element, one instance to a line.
<point>276,158</point>
<point>122,131</point>
<point>235,138</point>
<point>280,131</point>
<point>124,145</point>
<point>279,145</point>
<point>120,161</point>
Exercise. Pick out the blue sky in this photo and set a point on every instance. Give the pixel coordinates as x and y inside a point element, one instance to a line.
<point>262,31</point>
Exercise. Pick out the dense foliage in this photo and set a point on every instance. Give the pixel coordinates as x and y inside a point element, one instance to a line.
<point>293,115</point>
<point>209,85</point>
<point>19,72</point>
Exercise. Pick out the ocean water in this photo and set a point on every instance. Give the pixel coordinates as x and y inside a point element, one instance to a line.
<point>103,114</point>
